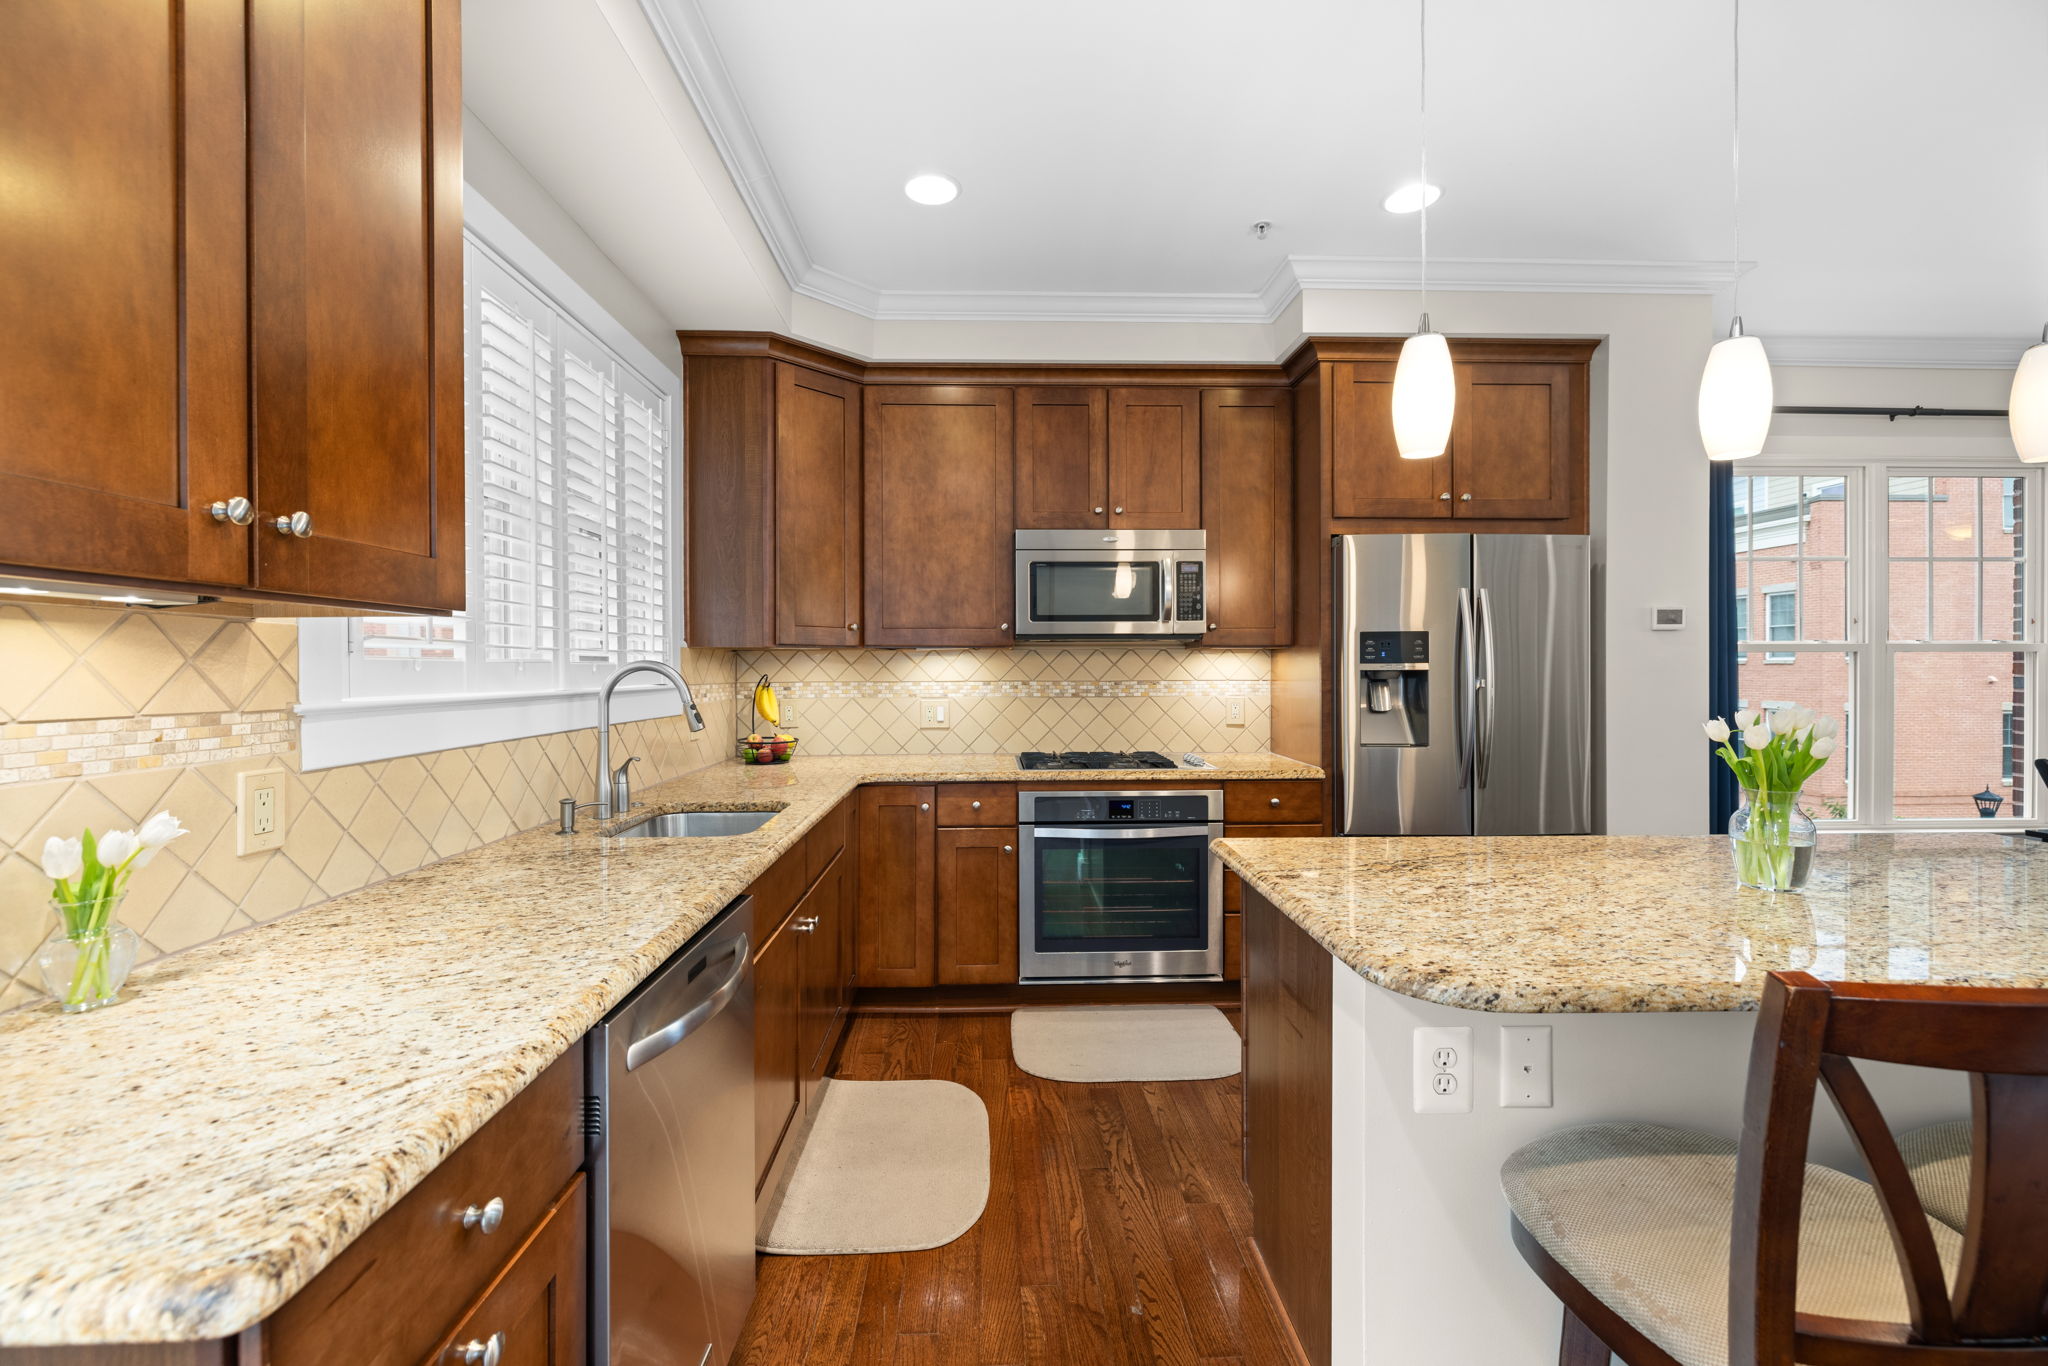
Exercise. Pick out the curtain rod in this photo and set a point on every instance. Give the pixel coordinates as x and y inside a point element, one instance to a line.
<point>1893,414</point>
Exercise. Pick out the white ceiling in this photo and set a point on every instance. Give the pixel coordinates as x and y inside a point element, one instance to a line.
<point>1112,156</point>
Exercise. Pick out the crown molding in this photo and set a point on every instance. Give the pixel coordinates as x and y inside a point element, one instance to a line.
<point>1896,353</point>
<point>1508,275</point>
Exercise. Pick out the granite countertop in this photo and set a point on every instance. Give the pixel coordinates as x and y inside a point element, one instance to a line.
<point>1643,923</point>
<point>178,1166</point>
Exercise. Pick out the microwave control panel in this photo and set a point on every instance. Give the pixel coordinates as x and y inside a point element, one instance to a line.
<point>1188,597</point>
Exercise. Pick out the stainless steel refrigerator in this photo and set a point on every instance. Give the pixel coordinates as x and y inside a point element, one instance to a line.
<point>1463,670</point>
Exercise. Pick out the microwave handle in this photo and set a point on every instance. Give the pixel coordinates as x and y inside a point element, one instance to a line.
<point>1167,592</point>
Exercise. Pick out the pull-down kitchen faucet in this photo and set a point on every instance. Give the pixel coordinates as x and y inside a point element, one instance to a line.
<point>614,788</point>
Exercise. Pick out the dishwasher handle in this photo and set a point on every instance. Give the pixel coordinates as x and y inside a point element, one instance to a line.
<point>647,1048</point>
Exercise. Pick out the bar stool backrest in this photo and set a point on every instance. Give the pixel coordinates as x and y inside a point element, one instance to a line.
<point>1809,1035</point>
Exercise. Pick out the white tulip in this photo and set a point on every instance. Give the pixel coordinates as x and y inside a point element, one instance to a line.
<point>1784,721</point>
<point>1823,747</point>
<point>117,846</point>
<point>1745,719</point>
<point>1757,737</point>
<point>1717,730</point>
<point>1799,736</point>
<point>62,859</point>
<point>1826,727</point>
<point>155,833</point>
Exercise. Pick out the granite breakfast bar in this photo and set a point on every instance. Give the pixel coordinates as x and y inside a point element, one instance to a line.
<point>1388,1235</point>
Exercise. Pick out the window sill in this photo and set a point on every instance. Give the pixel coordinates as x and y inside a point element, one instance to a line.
<point>365,730</point>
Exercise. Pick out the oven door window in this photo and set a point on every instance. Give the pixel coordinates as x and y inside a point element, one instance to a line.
<point>1102,894</point>
<point>1096,590</point>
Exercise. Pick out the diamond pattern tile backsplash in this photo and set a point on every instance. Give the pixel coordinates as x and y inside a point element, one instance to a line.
<point>108,715</point>
<point>1051,698</point>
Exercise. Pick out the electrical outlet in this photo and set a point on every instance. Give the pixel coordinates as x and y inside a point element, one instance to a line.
<point>933,713</point>
<point>788,710</point>
<point>1233,711</point>
<point>1525,1067</point>
<point>1443,1071</point>
<point>259,811</point>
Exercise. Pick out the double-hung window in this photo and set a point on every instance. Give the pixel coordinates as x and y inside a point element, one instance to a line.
<point>1900,600</point>
<point>572,533</point>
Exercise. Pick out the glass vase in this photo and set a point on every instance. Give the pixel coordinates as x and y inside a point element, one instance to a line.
<point>85,962</point>
<point>1771,840</point>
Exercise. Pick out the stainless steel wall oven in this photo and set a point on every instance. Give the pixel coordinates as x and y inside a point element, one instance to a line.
<point>1119,885</point>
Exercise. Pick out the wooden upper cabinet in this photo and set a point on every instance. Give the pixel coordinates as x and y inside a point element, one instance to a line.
<point>355,258</point>
<point>1368,477</point>
<point>123,358</point>
<point>1248,512</point>
<point>939,550</point>
<point>1062,458</point>
<point>1513,439</point>
<point>1155,459</point>
<point>817,508</point>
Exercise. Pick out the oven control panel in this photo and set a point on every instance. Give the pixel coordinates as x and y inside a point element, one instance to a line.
<point>1119,808</point>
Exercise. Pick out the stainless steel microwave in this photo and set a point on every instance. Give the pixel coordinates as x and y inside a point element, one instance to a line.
<point>1111,585</point>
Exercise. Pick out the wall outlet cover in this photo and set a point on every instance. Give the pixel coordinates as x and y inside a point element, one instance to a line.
<point>1525,1074</point>
<point>1233,711</point>
<point>934,713</point>
<point>260,817</point>
<point>1443,1070</point>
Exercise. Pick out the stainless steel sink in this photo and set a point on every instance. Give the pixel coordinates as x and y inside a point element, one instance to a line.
<point>670,825</point>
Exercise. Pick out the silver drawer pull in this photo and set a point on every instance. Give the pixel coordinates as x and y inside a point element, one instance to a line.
<point>485,1353</point>
<point>239,511</point>
<point>975,805</point>
<point>805,925</point>
<point>486,1217</point>
<point>1273,801</point>
<point>299,524</point>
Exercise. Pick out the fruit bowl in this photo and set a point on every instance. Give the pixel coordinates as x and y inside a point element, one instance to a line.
<point>767,749</point>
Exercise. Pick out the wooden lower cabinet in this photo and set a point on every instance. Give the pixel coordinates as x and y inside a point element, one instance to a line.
<point>535,1311</point>
<point>895,832</point>
<point>824,974</point>
<point>777,1007</point>
<point>977,906</point>
<point>1287,1085</point>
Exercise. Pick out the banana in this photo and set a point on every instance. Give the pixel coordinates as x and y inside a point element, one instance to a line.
<point>765,701</point>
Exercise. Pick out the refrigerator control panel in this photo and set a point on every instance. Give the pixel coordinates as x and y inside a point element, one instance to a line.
<point>1393,649</point>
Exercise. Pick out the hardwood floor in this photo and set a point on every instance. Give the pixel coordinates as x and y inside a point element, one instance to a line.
<point>1115,1231</point>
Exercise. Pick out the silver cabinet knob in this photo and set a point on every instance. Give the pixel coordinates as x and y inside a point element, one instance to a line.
<point>1119,509</point>
<point>924,806</point>
<point>1272,801</point>
<point>240,511</point>
<point>804,925</point>
<point>1464,497</point>
<point>974,806</point>
<point>485,1353</point>
<point>1004,626</point>
<point>1098,512</point>
<point>1445,497</point>
<point>1009,849</point>
<point>299,524</point>
<point>1212,625</point>
<point>486,1217</point>
<point>853,626</point>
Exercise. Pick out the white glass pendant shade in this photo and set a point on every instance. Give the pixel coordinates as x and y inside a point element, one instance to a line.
<point>2028,406</point>
<point>1425,395</point>
<point>1735,397</point>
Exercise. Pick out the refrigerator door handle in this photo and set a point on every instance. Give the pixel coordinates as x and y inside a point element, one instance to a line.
<point>1468,689</point>
<point>1484,689</point>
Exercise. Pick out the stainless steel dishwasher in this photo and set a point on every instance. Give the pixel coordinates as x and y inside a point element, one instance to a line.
<point>670,1125</point>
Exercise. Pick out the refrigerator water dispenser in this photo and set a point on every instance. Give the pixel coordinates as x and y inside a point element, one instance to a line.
<point>1393,675</point>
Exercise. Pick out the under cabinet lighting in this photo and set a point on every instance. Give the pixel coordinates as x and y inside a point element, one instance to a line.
<point>93,592</point>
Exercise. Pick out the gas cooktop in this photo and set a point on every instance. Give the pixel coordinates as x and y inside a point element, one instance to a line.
<point>1086,759</point>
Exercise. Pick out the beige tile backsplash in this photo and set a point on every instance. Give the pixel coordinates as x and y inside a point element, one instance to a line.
<point>108,715</point>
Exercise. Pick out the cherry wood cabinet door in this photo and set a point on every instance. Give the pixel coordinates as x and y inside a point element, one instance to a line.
<point>1155,459</point>
<point>1062,458</point>
<point>1368,477</point>
<point>534,1310</point>
<point>777,1004</point>
<point>1248,512</point>
<point>894,836</point>
<point>355,260</point>
<point>817,508</point>
<point>1513,440</point>
<point>823,972</point>
<point>977,906</point>
<point>939,556</point>
<point>123,358</point>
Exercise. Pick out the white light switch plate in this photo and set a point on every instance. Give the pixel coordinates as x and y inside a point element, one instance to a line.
<point>933,713</point>
<point>1443,1071</point>
<point>1525,1067</point>
<point>259,811</point>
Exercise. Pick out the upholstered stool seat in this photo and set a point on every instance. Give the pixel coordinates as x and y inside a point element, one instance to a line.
<point>1640,1214</point>
<point>1939,1158</point>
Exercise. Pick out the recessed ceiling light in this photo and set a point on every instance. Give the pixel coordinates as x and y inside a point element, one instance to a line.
<point>931,189</point>
<point>1412,198</point>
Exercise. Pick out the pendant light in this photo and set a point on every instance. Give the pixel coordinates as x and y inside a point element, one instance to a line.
<point>1425,394</point>
<point>1735,389</point>
<point>2028,404</point>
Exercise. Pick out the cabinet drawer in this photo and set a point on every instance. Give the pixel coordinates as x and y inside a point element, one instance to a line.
<point>968,804</point>
<point>392,1294</point>
<point>534,1307</point>
<point>1296,800</point>
<point>824,843</point>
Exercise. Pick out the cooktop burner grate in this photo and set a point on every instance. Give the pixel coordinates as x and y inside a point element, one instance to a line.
<point>1092,759</point>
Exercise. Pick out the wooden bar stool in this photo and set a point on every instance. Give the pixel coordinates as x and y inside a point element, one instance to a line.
<point>1675,1248</point>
